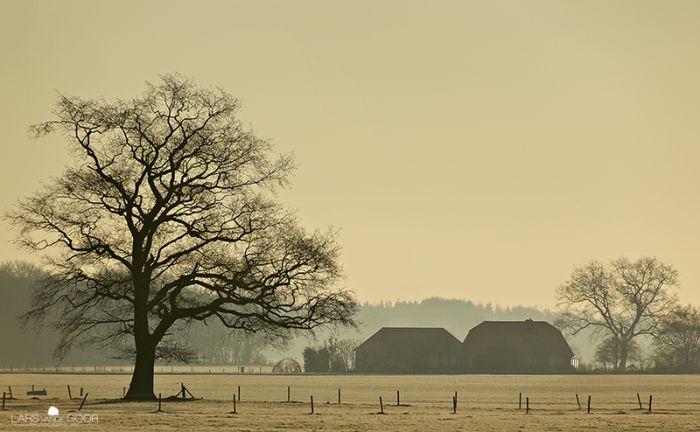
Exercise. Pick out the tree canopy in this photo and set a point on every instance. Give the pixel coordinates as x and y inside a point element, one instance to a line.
<point>623,299</point>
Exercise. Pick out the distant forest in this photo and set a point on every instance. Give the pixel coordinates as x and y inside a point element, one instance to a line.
<point>213,344</point>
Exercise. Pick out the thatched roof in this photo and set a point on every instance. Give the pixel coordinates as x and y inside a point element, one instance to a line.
<point>399,339</point>
<point>521,337</point>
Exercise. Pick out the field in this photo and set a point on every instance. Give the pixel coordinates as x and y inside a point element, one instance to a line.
<point>485,403</point>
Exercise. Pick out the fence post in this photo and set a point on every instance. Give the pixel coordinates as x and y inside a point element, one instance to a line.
<point>578,402</point>
<point>312,404</point>
<point>454,404</point>
<point>520,401</point>
<point>234,404</point>
<point>3,400</point>
<point>640,402</point>
<point>83,402</point>
<point>338,396</point>
<point>159,402</point>
<point>239,393</point>
<point>398,399</point>
<point>589,404</point>
<point>381,405</point>
<point>650,396</point>
<point>9,388</point>
<point>70,396</point>
<point>289,393</point>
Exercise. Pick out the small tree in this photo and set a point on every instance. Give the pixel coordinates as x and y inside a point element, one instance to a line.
<point>608,352</point>
<point>623,299</point>
<point>166,218</point>
<point>677,342</point>
<point>316,359</point>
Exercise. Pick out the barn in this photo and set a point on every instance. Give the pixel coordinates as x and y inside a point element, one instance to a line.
<point>516,347</point>
<point>409,350</point>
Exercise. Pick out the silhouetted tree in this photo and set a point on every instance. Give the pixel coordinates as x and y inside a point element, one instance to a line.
<point>166,218</point>
<point>316,359</point>
<point>624,299</point>
<point>333,355</point>
<point>677,341</point>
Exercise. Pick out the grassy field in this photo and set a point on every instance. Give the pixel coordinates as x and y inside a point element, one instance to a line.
<point>485,403</point>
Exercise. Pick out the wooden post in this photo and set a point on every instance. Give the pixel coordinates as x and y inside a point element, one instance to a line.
<point>398,398</point>
<point>182,389</point>
<point>578,402</point>
<point>70,396</point>
<point>123,392</point>
<point>589,404</point>
<point>239,393</point>
<point>338,396</point>
<point>454,404</point>
<point>527,405</point>
<point>81,391</point>
<point>289,393</point>
<point>381,405</point>
<point>234,404</point>
<point>9,389</point>
<point>640,402</point>
<point>312,404</point>
<point>650,403</point>
<point>83,402</point>
<point>520,401</point>
<point>3,400</point>
<point>160,402</point>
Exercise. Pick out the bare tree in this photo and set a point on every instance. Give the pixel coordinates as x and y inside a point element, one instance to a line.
<point>167,218</point>
<point>677,341</point>
<point>623,299</point>
<point>342,353</point>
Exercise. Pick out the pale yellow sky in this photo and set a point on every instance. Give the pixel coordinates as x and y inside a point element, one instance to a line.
<point>477,150</point>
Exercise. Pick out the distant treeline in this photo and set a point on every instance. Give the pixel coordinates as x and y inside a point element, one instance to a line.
<point>213,344</point>
<point>457,316</point>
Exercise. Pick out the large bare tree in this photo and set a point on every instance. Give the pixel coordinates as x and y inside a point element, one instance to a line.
<point>623,299</point>
<point>166,217</point>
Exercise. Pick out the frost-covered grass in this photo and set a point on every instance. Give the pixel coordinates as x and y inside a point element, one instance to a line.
<point>485,402</point>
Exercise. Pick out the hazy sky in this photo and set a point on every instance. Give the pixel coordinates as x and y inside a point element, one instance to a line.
<point>477,150</point>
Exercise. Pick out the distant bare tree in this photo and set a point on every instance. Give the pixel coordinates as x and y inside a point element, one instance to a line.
<point>216,344</point>
<point>342,354</point>
<point>677,341</point>
<point>608,353</point>
<point>167,218</point>
<point>623,299</point>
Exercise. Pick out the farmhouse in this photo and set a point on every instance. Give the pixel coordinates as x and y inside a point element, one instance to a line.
<point>409,350</point>
<point>516,347</point>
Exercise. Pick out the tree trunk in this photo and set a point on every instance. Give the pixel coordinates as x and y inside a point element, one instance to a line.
<point>622,365</point>
<point>141,386</point>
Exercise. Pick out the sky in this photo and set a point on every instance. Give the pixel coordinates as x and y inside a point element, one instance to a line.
<point>475,150</point>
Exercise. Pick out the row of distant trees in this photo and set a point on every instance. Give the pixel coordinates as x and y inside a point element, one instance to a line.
<point>334,355</point>
<point>623,301</point>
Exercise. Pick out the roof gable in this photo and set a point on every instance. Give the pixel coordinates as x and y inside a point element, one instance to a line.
<point>522,336</point>
<point>419,336</point>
